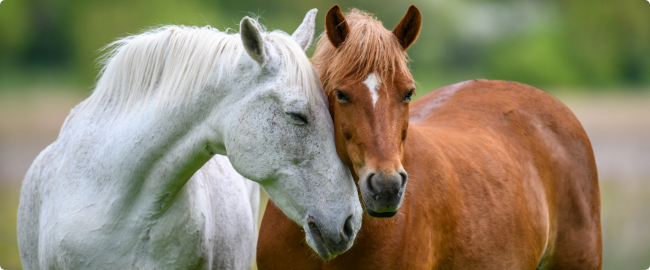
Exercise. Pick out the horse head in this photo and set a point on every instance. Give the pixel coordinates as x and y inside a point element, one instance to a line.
<point>364,71</point>
<point>281,136</point>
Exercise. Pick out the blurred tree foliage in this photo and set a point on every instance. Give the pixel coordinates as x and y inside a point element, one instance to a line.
<point>546,43</point>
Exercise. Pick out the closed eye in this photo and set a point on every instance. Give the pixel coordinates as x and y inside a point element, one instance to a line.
<point>407,97</point>
<point>341,96</point>
<point>297,119</point>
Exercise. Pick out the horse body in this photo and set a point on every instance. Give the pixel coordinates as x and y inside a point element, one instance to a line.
<point>500,176</point>
<point>516,175</point>
<point>119,188</point>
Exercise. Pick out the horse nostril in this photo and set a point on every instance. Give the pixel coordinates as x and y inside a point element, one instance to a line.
<point>404,178</point>
<point>371,188</point>
<point>348,228</point>
<point>312,225</point>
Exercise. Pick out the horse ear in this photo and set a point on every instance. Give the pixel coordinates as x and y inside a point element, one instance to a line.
<point>305,32</point>
<point>336,26</point>
<point>252,40</point>
<point>409,27</point>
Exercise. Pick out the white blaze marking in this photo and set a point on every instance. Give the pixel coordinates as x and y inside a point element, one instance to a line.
<point>372,82</point>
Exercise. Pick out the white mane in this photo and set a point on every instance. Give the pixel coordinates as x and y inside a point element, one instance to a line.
<point>173,64</point>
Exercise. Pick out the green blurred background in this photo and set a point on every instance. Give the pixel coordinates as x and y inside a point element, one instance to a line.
<point>591,54</point>
<point>595,44</point>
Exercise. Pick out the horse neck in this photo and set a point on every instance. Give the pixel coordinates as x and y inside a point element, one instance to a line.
<point>148,153</point>
<point>425,145</point>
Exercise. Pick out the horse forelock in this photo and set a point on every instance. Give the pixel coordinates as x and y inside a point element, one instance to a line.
<point>174,63</point>
<point>368,48</point>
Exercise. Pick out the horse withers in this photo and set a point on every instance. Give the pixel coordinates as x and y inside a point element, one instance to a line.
<point>500,174</point>
<point>116,189</point>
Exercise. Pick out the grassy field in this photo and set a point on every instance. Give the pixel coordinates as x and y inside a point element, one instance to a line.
<point>9,195</point>
<point>618,125</point>
<point>626,225</point>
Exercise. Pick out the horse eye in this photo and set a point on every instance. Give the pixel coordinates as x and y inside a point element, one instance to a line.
<point>341,97</point>
<point>407,97</point>
<point>297,119</point>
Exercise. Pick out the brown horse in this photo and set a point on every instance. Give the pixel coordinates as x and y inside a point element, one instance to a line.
<point>500,174</point>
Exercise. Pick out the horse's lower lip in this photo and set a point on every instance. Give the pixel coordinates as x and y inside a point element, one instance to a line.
<point>319,242</point>
<point>381,215</point>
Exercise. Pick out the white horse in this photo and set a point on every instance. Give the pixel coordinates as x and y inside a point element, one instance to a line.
<point>115,190</point>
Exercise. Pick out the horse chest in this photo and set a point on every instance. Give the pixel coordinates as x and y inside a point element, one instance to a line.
<point>76,237</point>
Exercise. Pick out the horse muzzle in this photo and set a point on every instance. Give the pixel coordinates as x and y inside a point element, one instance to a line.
<point>330,241</point>
<point>383,192</point>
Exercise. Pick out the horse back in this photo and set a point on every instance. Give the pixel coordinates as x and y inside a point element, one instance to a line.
<point>543,148</point>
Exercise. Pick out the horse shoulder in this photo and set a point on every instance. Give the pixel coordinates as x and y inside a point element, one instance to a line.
<point>494,200</point>
<point>552,153</point>
<point>565,165</point>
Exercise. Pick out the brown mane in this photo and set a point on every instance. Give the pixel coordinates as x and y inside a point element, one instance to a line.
<point>375,50</point>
